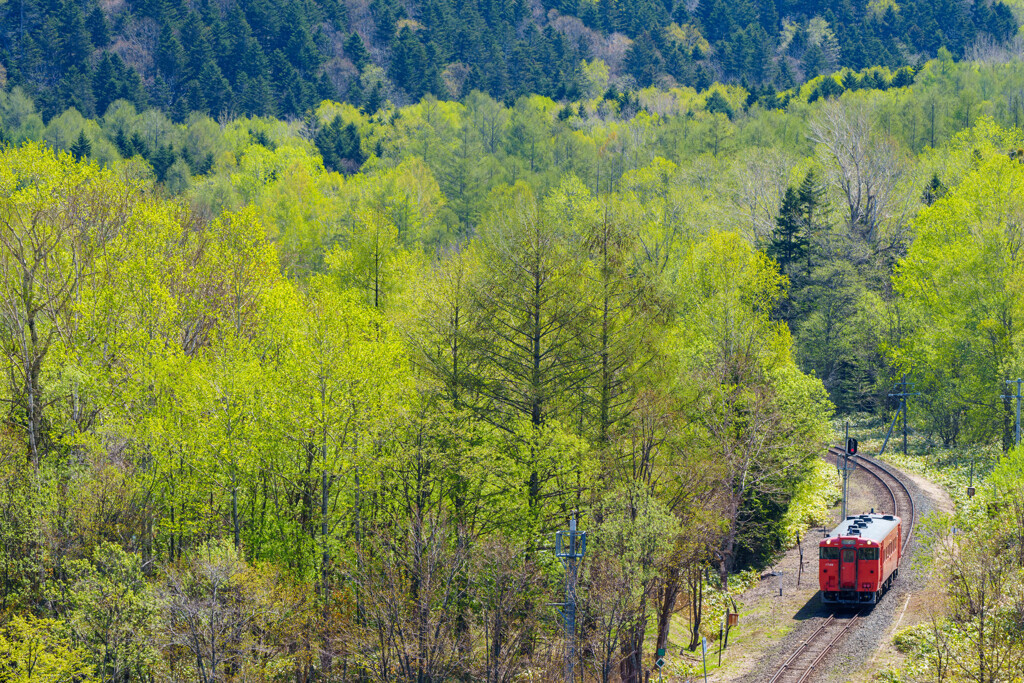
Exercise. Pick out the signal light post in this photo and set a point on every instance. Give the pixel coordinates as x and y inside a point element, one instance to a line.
<point>849,448</point>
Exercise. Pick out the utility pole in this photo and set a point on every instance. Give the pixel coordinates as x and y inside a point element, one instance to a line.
<point>902,395</point>
<point>1016,441</point>
<point>569,548</point>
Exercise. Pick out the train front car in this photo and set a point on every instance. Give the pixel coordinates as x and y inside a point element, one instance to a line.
<point>859,559</point>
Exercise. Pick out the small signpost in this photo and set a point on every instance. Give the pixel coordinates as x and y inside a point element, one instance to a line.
<point>660,662</point>
<point>704,656</point>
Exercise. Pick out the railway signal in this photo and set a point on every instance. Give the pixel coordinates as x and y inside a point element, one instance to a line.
<point>847,466</point>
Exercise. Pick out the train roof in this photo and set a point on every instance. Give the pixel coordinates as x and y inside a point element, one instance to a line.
<point>870,527</point>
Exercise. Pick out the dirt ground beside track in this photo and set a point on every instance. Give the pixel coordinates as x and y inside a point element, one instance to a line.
<point>784,608</point>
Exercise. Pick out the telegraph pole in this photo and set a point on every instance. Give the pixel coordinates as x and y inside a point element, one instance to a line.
<point>902,395</point>
<point>1017,396</point>
<point>569,548</point>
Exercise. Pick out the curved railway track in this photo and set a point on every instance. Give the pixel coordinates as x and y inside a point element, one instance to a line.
<point>803,662</point>
<point>903,502</point>
<point>805,659</point>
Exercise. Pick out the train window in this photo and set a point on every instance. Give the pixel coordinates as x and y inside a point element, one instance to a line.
<point>867,553</point>
<point>828,553</point>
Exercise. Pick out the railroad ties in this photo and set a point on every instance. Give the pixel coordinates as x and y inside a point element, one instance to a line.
<point>804,662</point>
<point>902,501</point>
<point>805,659</point>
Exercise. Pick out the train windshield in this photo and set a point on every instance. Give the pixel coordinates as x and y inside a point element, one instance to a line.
<point>867,553</point>
<point>827,553</point>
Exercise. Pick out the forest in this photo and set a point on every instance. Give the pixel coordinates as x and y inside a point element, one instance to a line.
<point>307,398</point>
<point>254,57</point>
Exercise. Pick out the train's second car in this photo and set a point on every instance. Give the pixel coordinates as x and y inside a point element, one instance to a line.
<point>859,559</point>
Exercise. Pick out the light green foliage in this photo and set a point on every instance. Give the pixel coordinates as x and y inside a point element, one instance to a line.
<point>629,547</point>
<point>815,496</point>
<point>283,423</point>
<point>978,570</point>
<point>960,282</point>
<point>39,651</point>
<point>18,116</point>
<point>753,412</point>
<point>111,612</point>
<point>595,74</point>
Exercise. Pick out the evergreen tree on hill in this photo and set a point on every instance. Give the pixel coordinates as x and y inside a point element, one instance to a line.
<point>340,146</point>
<point>789,244</point>
<point>59,50</point>
<point>75,43</point>
<point>82,147</point>
<point>643,61</point>
<point>356,51</point>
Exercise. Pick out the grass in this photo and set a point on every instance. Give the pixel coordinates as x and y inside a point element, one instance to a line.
<point>950,468</point>
<point>954,469</point>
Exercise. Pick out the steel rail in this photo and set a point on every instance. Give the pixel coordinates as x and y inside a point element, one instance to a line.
<point>873,468</point>
<point>907,516</point>
<point>910,513</point>
<point>828,648</point>
<point>799,651</point>
<point>788,668</point>
<point>837,452</point>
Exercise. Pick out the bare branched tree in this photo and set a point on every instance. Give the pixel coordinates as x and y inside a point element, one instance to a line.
<point>761,184</point>
<point>223,613</point>
<point>411,587</point>
<point>505,587</point>
<point>866,170</point>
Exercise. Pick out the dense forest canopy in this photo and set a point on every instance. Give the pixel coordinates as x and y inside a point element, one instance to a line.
<point>268,58</point>
<point>317,320</point>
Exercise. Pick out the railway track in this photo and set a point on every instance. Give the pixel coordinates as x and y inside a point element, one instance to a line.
<point>902,501</point>
<point>803,662</point>
<point>805,659</point>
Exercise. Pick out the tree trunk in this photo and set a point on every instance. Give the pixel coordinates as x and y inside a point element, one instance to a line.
<point>631,648</point>
<point>670,591</point>
<point>696,586</point>
<point>234,513</point>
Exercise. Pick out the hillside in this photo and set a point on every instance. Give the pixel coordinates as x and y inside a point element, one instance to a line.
<point>306,396</point>
<point>266,58</point>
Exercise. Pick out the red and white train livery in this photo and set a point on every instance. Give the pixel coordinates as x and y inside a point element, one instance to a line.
<point>859,559</point>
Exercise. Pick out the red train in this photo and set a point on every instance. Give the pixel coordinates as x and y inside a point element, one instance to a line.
<point>859,560</point>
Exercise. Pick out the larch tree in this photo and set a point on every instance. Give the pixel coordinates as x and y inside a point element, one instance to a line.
<point>532,314</point>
